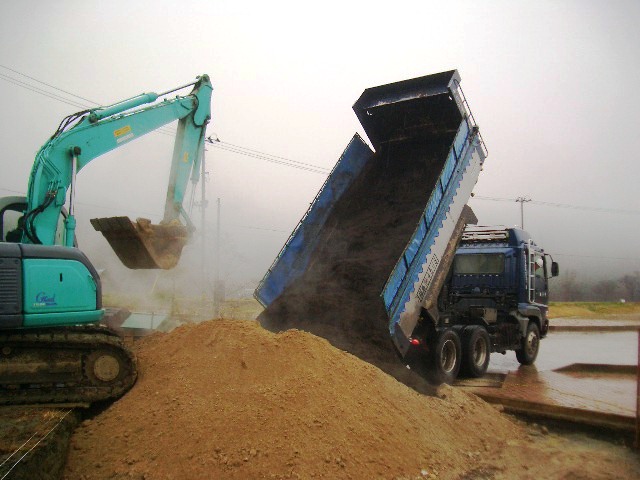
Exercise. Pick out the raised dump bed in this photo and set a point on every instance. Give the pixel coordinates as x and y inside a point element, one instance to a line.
<point>371,253</point>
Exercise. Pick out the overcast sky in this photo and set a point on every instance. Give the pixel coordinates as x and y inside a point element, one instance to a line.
<point>553,85</point>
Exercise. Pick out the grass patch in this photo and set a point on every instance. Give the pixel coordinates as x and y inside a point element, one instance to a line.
<point>232,308</point>
<point>592,309</point>
<point>241,309</point>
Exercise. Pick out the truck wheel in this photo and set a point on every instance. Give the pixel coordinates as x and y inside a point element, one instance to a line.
<point>476,351</point>
<point>529,345</point>
<point>444,358</point>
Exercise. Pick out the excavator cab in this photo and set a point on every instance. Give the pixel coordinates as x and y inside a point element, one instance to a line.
<point>141,244</point>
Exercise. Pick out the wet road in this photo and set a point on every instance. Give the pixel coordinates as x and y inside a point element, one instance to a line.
<point>601,396</point>
<point>559,349</point>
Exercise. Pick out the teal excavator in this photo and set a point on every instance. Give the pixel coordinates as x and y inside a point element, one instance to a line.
<point>52,347</point>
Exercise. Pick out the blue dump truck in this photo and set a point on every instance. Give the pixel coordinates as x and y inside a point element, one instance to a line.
<point>374,264</point>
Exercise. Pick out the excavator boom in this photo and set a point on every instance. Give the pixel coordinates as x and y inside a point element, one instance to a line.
<point>140,244</point>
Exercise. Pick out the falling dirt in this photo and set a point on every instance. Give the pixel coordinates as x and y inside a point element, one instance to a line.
<point>338,295</point>
<point>229,400</point>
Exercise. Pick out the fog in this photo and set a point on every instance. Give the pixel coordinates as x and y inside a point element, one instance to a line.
<point>552,85</point>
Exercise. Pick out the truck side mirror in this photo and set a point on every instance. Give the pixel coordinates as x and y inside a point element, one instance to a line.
<point>555,269</point>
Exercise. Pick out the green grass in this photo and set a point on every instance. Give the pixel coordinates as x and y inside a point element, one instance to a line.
<point>592,309</point>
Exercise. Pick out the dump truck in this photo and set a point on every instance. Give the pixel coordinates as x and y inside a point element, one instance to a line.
<point>495,298</point>
<point>366,265</point>
<point>53,348</point>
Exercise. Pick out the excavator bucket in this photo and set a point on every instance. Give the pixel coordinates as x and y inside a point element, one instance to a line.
<point>143,245</point>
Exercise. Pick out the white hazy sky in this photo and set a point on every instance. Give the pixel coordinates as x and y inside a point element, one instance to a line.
<point>552,84</point>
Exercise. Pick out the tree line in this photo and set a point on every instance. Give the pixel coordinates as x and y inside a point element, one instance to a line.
<point>569,287</point>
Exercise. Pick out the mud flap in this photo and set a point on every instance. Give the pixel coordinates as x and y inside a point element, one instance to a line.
<point>143,245</point>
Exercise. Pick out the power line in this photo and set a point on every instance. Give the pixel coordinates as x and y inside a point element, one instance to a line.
<point>318,167</point>
<point>13,191</point>
<point>597,257</point>
<point>47,84</point>
<point>233,148</point>
<point>561,205</point>
<point>221,145</point>
<point>230,147</point>
<point>40,91</point>
<point>54,96</point>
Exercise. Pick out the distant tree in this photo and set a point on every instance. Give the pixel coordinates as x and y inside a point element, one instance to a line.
<point>606,290</point>
<point>631,284</point>
<point>568,289</point>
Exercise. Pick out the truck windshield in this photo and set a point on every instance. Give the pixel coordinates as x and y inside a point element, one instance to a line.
<point>478,263</point>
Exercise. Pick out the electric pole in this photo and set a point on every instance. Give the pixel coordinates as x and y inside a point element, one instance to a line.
<point>522,200</point>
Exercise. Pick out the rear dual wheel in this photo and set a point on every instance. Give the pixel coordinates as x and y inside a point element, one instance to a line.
<point>476,351</point>
<point>445,357</point>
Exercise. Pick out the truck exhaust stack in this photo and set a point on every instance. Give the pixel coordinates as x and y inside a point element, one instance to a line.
<point>143,245</point>
<point>374,248</point>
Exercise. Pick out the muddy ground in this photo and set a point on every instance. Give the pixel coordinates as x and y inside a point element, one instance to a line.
<point>34,441</point>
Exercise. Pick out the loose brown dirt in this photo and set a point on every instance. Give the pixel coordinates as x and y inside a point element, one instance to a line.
<point>229,400</point>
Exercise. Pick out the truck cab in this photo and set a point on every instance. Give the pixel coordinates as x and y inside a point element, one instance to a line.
<point>500,270</point>
<point>496,297</point>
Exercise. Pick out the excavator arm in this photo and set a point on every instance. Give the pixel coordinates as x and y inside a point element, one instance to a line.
<point>101,130</point>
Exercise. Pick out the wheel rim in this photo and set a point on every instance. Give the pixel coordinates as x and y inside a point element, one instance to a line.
<point>532,343</point>
<point>479,352</point>
<point>449,356</point>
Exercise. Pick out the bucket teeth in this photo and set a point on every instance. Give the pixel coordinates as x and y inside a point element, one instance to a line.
<point>143,245</point>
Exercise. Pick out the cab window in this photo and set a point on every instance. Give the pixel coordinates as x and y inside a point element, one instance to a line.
<point>478,264</point>
<point>11,230</point>
<point>9,218</point>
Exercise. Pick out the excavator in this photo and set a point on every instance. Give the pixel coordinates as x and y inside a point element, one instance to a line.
<point>52,346</point>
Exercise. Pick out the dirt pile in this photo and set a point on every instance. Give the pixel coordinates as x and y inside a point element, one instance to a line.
<point>227,399</point>
<point>338,296</point>
<point>230,400</point>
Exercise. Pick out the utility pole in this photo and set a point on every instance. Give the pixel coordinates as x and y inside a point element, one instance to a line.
<point>218,286</point>
<point>203,206</point>
<point>522,200</point>
<point>218,294</point>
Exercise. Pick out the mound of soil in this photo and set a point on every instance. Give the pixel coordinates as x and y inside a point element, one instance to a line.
<point>228,399</point>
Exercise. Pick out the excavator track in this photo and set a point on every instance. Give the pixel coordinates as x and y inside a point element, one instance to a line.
<point>61,365</point>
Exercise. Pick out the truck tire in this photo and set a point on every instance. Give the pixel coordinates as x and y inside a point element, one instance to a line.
<point>444,358</point>
<point>529,345</point>
<point>476,351</point>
